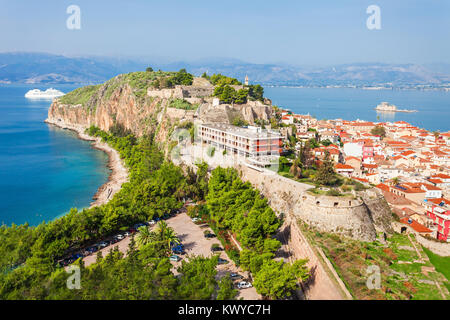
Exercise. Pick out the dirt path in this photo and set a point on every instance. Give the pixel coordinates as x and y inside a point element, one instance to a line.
<point>321,285</point>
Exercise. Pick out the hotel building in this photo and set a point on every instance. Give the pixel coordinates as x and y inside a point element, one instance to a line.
<point>250,142</point>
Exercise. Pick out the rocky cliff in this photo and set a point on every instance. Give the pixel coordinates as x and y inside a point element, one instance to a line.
<point>142,109</point>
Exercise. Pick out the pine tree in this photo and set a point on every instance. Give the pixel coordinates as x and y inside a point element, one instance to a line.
<point>326,174</point>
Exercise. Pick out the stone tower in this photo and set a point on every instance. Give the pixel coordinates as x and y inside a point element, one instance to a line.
<point>246,80</point>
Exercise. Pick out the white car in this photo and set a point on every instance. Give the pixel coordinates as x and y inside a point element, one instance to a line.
<point>244,285</point>
<point>196,219</point>
<point>152,222</point>
<point>119,236</point>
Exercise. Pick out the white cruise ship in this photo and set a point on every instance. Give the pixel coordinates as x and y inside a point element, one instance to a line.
<point>47,94</point>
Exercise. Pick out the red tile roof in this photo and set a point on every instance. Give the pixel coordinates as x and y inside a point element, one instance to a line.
<point>383,187</point>
<point>343,166</point>
<point>415,225</point>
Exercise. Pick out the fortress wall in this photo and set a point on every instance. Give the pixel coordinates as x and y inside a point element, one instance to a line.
<point>177,114</point>
<point>176,93</point>
<point>198,92</point>
<point>342,215</point>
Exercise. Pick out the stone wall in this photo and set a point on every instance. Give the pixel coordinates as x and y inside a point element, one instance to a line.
<point>196,92</point>
<point>349,216</point>
<point>181,92</point>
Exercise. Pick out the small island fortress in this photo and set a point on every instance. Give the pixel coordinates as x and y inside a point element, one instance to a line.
<point>386,107</point>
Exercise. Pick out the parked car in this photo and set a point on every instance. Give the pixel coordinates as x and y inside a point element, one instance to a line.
<point>244,285</point>
<point>103,244</point>
<point>214,249</point>
<point>235,276</point>
<point>127,233</point>
<point>76,256</point>
<point>66,262</point>
<point>174,258</point>
<point>210,235</point>
<point>196,219</point>
<point>152,222</point>
<point>222,261</point>
<point>178,251</point>
<point>119,236</point>
<point>92,249</point>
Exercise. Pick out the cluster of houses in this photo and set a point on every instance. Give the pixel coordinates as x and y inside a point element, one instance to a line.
<point>410,165</point>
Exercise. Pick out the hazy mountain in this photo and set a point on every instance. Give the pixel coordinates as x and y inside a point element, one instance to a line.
<point>49,68</point>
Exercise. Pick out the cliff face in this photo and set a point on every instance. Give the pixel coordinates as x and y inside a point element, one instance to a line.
<point>122,107</point>
<point>145,111</point>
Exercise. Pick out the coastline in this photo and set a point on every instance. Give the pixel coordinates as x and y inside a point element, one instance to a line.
<point>118,175</point>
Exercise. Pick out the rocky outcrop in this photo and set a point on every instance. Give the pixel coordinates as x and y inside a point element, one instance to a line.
<point>116,102</point>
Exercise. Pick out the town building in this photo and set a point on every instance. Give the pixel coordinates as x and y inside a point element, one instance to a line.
<point>250,142</point>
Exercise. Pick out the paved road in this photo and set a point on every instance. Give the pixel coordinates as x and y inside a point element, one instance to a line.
<point>123,247</point>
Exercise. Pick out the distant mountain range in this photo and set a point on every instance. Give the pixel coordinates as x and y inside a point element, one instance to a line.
<point>43,68</point>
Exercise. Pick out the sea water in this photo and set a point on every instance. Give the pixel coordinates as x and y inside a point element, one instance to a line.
<point>44,170</point>
<point>352,104</point>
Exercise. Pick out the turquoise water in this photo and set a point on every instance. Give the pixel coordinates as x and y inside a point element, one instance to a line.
<point>352,104</point>
<point>44,170</point>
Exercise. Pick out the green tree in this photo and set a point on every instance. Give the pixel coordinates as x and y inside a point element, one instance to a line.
<point>197,280</point>
<point>326,174</point>
<point>256,92</point>
<point>226,289</point>
<point>166,234</point>
<point>296,169</point>
<point>144,236</point>
<point>378,131</point>
<point>241,96</point>
<point>228,94</point>
<point>277,280</point>
<point>149,69</point>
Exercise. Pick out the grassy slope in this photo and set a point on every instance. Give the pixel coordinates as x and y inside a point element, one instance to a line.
<point>139,81</point>
<point>442,265</point>
<point>399,281</point>
<point>79,95</point>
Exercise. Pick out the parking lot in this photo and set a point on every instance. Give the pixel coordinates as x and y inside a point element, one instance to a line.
<point>123,247</point>
<point>193,240</point>
<point>195,243</point>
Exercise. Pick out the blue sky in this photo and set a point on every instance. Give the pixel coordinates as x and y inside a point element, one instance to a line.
<point>297,32</point>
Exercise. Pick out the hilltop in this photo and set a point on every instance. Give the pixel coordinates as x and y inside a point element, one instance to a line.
<point>154,102</point>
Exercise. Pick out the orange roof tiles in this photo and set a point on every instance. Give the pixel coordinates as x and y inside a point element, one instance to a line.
<point>415,225</point>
